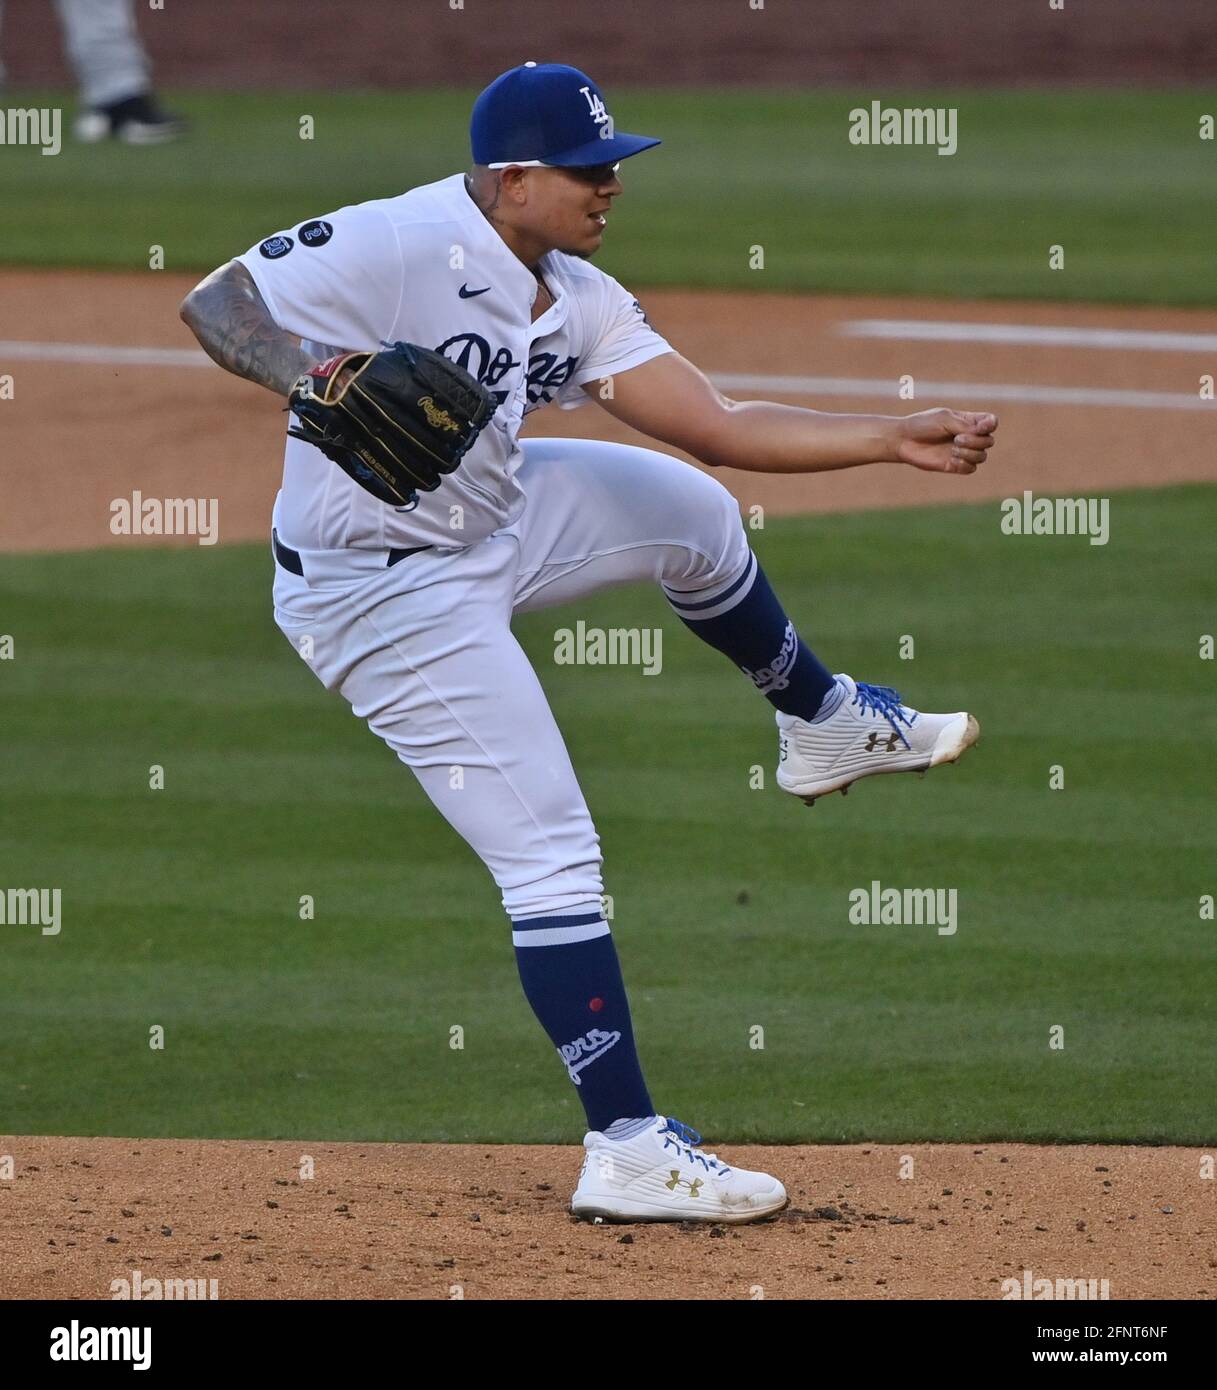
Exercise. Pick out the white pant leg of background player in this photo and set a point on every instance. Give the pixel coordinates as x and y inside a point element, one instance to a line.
<point>104,49</point>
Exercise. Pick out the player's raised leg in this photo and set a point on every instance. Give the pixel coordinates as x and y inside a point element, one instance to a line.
<point>602,514</point>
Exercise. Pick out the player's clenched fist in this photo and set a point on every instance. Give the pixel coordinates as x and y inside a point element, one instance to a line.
<point>945,441</point>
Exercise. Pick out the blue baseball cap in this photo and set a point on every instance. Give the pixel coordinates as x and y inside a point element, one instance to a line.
<point>547,113</point>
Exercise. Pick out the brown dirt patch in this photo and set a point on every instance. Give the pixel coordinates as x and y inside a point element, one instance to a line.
<point>385,43</point>
<point>415,1220</point>
<point>175,431</point>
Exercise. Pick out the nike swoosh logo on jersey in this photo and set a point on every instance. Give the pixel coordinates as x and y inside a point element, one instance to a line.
<point>466,293</point>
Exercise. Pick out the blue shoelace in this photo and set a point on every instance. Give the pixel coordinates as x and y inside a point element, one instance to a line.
<point>886,702</point>
<point>687,1138</point>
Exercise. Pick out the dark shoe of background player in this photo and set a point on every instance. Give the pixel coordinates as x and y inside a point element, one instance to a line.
<point>136,120</point>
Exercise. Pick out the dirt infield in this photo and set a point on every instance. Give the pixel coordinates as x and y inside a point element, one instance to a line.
<point>174,431</point>
<point>445,1221</point>
<point>388,43</point>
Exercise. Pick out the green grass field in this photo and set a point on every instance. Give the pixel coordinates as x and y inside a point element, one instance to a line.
<point>1077,907</point>
<point>1121,180</point>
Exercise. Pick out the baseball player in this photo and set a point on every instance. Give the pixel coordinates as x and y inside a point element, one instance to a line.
<point>448,313</point>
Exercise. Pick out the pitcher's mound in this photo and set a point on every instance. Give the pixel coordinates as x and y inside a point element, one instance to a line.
<point>97,1218</point>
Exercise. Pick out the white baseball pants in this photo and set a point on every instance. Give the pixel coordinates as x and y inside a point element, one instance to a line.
<point>424,651</point>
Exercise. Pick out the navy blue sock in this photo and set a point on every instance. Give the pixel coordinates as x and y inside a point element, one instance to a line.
<point>744,620</point>
<point>568,967</point>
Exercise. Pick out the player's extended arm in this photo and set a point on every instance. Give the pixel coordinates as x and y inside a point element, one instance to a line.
<point>669,399</point>
<point>229,317</point>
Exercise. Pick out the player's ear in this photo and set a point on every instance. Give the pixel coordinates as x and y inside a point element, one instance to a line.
<point>514,182</point>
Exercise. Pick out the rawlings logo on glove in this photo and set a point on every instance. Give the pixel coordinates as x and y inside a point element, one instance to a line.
<point>438,419</point>
<point>398,425</point>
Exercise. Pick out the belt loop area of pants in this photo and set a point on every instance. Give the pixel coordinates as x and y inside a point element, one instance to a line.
<point>292,561</point>
<point>288,558</point>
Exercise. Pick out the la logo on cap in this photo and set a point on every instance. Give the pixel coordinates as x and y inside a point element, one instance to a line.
<point>599,113</point>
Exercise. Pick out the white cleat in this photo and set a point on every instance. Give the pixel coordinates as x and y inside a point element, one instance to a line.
<point>869,733</point>
<point>659,1176</point>
<point>91,127</point>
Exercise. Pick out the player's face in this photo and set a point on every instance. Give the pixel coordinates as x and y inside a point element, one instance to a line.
<point>568,208</point>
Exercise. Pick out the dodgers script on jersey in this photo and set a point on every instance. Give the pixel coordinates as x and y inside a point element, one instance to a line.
<point>426,267</point>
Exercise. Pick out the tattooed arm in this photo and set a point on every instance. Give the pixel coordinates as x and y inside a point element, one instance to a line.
<point>230,319</point>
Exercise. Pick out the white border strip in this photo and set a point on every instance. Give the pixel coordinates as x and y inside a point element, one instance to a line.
<point>1027,334</point>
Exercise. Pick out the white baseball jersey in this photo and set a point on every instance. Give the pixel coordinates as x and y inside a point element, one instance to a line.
<point>426,267</point>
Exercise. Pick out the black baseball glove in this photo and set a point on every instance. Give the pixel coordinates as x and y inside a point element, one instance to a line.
<point>401,422</point>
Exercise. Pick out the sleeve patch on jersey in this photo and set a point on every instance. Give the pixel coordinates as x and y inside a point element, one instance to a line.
<point>315,233</point>
<point>274,247</point>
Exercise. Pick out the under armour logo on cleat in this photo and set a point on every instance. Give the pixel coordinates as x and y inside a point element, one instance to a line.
<point>893,740</point>
<point>676,1181</point>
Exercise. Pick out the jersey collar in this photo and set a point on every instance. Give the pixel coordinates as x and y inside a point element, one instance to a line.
<point>514,275</point>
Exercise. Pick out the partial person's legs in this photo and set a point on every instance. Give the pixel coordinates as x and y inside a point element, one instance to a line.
<point>115,76</point>
<point>425,654</point>
<point>104,49</point>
